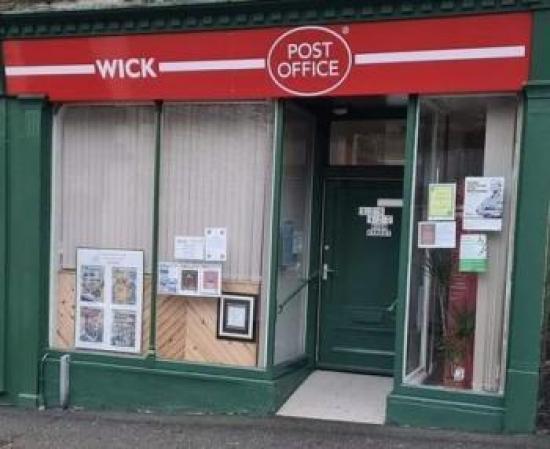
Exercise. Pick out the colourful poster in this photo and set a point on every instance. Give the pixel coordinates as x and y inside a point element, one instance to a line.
<point>109,292</point>
<point>442,201</point>
<point>473,253</point>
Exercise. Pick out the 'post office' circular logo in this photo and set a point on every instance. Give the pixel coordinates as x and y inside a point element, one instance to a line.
<point>309,61</point>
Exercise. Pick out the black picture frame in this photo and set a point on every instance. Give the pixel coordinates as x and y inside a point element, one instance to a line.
<point>228,331</point>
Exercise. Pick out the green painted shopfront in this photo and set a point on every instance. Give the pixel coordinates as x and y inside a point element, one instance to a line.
<point>206,205</point>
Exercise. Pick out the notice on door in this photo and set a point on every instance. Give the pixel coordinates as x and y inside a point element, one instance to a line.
<point>378,223</point>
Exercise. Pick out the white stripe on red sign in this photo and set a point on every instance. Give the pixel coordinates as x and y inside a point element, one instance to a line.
<point>455,54</point>
<point>209,65</point>
<point>45,70</point>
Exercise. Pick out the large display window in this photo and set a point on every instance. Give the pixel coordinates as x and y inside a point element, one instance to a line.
<point>461,242</point>
<point>169,204</point>
<point>103,178</point>
<point>215,174</point>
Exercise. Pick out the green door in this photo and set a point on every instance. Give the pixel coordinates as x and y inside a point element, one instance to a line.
<point>359,277</point>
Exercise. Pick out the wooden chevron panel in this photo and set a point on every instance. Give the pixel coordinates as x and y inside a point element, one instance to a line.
<point>64,323</point>
<point>186,328</point>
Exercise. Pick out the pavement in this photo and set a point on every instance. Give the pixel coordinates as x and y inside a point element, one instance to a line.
<point>106,430</point>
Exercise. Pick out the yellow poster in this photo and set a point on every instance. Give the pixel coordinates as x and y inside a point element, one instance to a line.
<point>442,201</point>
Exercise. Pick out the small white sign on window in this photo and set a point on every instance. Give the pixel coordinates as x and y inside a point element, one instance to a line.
<point>216,244</point>
<point>437,234</point>
<point>189,248</point>
<point>380,230</point>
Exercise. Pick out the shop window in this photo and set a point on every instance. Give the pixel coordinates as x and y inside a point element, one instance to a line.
<point>214,208</point>
<point>216,165</point>
<point>294,232</point>
<point>103,199</point>
<point>461,242</point>
<point>367,142</point>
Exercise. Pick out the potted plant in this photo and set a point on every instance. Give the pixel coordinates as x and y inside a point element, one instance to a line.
<point>457,348</point>
<point>455,325</point>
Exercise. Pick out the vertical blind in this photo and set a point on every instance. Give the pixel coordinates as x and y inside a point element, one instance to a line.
<point>215,172</point>
<point>500,140</point>
<point>104,186</point>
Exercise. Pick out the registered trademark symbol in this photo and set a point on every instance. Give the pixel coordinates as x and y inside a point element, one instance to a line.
<point>345,30</point>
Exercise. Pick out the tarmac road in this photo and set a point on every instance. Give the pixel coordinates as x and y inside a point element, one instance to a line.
<point>106,430</point>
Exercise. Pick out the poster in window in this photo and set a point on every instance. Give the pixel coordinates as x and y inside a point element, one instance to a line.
<point>92,283</point>
<point>483,203</point>
<point>437,234</point>
<point>124,285</point>
<point>211,280</point>
<point>473,253</point>
<point>123,329</point>
<point>109,299</point>
<point>189,281</point>
<point>441,201</point>
<point>92,324</point>
<point>168,278</point>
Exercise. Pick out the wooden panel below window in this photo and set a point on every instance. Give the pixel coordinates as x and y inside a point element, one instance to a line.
<point>186,328</point>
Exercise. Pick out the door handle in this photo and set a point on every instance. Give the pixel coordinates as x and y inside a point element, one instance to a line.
<point>326,271</point>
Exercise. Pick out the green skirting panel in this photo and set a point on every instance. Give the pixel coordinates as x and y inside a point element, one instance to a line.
<point>96,385</point>
<point>521,401</point>
<point>426,412</point>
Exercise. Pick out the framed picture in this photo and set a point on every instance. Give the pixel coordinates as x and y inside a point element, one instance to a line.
<point>236,317</point>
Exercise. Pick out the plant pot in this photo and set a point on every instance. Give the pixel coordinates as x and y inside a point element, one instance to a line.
<point>454,375</point>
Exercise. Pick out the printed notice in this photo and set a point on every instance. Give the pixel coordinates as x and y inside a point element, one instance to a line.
<point>378,223</point>
<point>473,253</point>
<point>442,202</point>
<point>483,203</point>
<point>216,244</point>
<point>188,248</point>
<point>437,234</point>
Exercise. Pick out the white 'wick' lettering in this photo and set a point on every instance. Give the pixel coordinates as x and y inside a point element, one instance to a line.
<point>126,68</point>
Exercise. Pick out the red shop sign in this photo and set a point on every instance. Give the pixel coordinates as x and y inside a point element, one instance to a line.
<point>448,55</point>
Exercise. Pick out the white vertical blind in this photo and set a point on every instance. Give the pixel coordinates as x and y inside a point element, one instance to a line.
<point>106,164</point>
<point>215,172</point>
<point>491,292</point>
